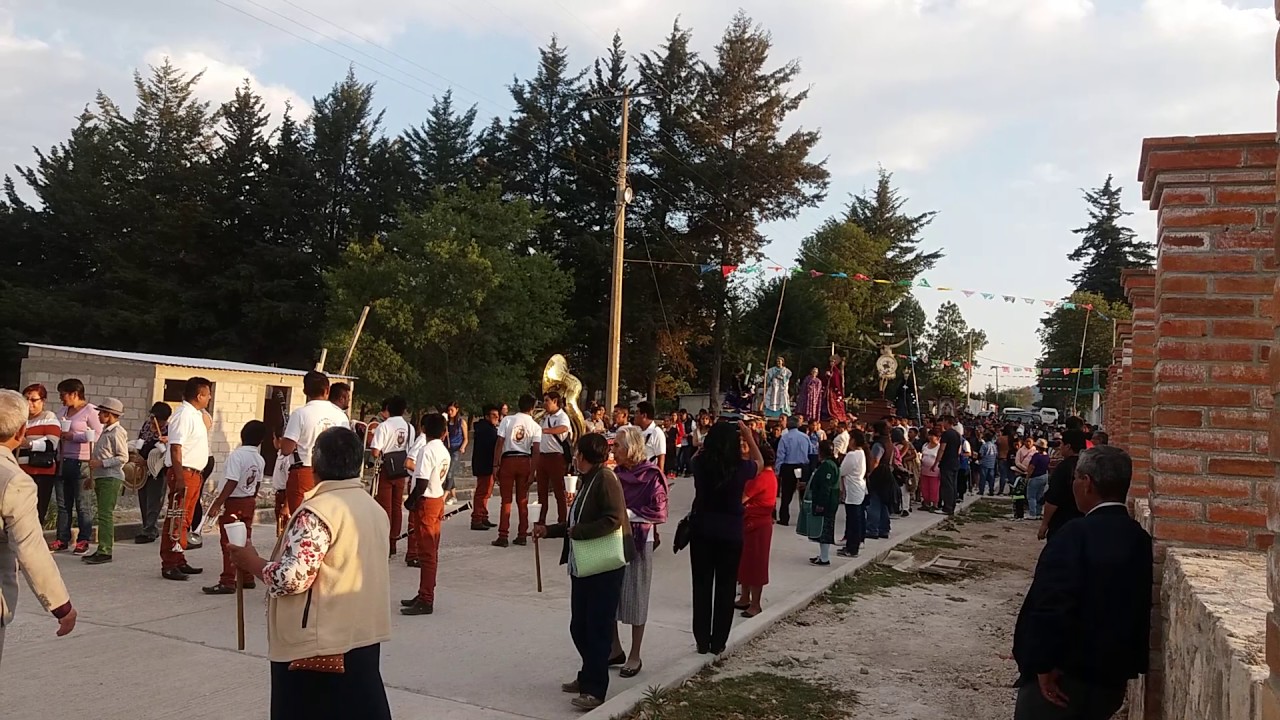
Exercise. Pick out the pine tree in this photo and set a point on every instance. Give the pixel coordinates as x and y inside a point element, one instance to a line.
<point>950,343</point>
<point>1106,247</point>
<point>880,215</point>
<point>1063,330</point>
<point>752,172</point>
<point>442,150</point>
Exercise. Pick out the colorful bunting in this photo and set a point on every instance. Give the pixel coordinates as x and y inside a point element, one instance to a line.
<point>728,269</point>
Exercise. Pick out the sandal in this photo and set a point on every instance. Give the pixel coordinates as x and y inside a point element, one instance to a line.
<point>741,606</point>
<point>627,672</point>
<point>748,614</point>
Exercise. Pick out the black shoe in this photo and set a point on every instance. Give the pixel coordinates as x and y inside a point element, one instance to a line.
<point>704,649</point>
<point>96,559</point>
<point>188,570</point>
<point>521,541</point>
<point>500,542</point>
<point>413,563</point>
<point>409,602</point>
<point>418,608</point>
<point>571,687</point>
<point>173,574</point>
<point>144,539</point>
<point>845,553</point>
<point>820,562</point>
<point>482,527</point>
<point>717,650</point>
<point>218,589</point>
<point>627,672</point>
<point>619,660</point>
<point>784,523</point>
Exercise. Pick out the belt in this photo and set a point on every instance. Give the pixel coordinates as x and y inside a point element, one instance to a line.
<point>515,454</point>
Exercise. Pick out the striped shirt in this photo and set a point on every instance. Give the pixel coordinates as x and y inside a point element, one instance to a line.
<point>44,426</point>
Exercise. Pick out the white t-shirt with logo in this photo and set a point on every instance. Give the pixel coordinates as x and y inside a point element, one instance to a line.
<point>551,444</point>
<point>280,476</point>
<point>187,430</point>
<point>392,435</point>
<point>519,432</point>
<point>307,422</point>
<point>244,467</point>
<point>432,465</point>
<point>655,441</point>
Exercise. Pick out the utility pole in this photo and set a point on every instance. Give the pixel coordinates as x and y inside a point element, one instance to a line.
<point>621,199</point>
<point>968,383</point>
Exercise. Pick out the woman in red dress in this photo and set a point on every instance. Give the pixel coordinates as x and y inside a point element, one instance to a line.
<point>758,503</point>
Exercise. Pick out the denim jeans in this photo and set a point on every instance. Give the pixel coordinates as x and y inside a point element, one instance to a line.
<point>988,481</point>
<point>1006,474</point>
<point>1035,495</point>
<point>855,521</point>
<point>449,482</point>
<point>67,493</point>
<point>877,518</point>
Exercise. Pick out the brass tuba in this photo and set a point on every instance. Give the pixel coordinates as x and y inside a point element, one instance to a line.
<point>556,376</point>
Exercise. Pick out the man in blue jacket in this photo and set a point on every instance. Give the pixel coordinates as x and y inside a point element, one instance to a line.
<point>792,466</point>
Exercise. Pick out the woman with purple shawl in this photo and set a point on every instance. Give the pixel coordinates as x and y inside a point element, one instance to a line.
<point>645,490</point>
<point>809,399</point>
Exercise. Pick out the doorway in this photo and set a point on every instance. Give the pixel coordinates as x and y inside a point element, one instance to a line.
<point>275,413</point>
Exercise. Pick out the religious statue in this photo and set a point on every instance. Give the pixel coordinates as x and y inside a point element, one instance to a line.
<point>809,399</point>
<point>906,402</point>
<point>886,364</point>
<point>777,390</point>
<point>738,397</point>
<point>835,390</point>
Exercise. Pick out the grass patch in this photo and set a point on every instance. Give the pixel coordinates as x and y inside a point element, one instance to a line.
<point>982,511</point>
<point>877,579</point>
<point>932,542</point>
<point>758,696</point>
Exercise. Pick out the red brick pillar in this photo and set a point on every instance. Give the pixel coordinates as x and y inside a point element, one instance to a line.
<point>1216,201</point>
<point>1124,415</point>
<point>1139,286</point>
<point>1270,696</point>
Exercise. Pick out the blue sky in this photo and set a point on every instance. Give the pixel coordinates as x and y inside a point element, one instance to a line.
<point>995,113</point>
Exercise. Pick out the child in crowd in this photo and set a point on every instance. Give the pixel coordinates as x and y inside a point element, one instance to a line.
<point>279,480</point>
<point>237,498</point>
<point>106,475</point>
<point>1019,495</point>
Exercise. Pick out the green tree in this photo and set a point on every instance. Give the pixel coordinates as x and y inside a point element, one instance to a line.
<point>1063,331</point>
<point>442,151</point>
<point>881,215</point>
<point>950,343</point>
<point>1106,246</point>
<point>457,312</point>
<point>753,170</point>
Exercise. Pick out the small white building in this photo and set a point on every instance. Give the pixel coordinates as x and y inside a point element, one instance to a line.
<point>241,391</point>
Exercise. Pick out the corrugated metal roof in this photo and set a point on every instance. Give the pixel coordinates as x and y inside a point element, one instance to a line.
<point>197,363</point>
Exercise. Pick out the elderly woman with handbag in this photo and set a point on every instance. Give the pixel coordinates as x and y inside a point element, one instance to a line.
<point>597,548</point>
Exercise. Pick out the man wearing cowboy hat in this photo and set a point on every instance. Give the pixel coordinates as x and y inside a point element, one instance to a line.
<point>106,475</point>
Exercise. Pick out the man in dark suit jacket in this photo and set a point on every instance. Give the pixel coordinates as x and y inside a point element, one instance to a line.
<point>1084,627</point>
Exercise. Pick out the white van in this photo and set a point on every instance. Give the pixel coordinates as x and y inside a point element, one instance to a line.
<point>1049,416</point>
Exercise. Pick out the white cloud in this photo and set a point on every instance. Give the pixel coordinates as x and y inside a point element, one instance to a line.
<point>222,78</point>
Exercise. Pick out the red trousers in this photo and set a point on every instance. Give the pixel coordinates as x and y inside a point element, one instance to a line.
<point>243,508</point>
<point>424,544</point>
<point>513,481</point>
<point>189,483</point>
<point>551,468</point>
<point>480,501</point>
<point>297,486</point>
<point>391,497</point>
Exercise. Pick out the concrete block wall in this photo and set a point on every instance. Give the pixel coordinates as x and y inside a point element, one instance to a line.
<point>132,383</point>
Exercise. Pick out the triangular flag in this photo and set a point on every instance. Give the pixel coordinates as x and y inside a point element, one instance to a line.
<point>1050,303</point>
<point>923,283</point>
<point>1075,370</point>
<point>1065,371</point>
<point>708,268</point>
<point>860,276</point>
<point>814,274</point>
<point>839,275</point>
<point>775,268</point>
<point>946,363</point>
<point>1005,368</point>
<point>726,269</point>
<point>1010,298</point>
<point>968,367</point>
<point>988,296</point>
<point>1029,301</point>
<point>968,293</point>
<point>1087,371</point>
<point>1069,305</point>
<point>904,283</point>
<point>1089,306</point>
<point>882,282</point>
<point>944,289</point>
<point>1045,372</point>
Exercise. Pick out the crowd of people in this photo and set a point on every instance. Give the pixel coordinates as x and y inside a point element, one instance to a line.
<point>609,489</point>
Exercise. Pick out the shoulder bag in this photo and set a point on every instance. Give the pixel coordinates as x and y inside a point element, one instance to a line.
<point>598,555</point>
<point>394,464</point>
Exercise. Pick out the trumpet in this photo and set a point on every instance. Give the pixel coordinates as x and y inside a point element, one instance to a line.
<point>174,514</point>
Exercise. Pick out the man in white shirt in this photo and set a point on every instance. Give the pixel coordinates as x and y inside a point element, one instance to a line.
<point>556,434</point>
<point>840,443</point>
<point>655,440</point>
<point>237,500</point>
<point>305,425</point>
<point>514,457</point>
<point>426,512</point>
<point>188,453</point>
<point>390,445</point>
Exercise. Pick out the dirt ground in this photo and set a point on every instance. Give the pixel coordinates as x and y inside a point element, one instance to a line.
<point>885,645</point>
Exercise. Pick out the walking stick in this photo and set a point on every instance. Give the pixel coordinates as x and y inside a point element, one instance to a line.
<point>537,561</point>
<point>239,611</point>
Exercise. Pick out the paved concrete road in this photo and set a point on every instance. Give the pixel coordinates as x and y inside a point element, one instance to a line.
<point>495,649</point>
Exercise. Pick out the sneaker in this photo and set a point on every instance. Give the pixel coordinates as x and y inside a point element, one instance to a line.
<point>520,541</point>
<point>98,558</point>
<point>419,607</point>
<point>586,702</point>
<point>451,502</point>
<point>500,542</point>
<point>82,547</point>
<point>57,546</point>
<point>845,553</point>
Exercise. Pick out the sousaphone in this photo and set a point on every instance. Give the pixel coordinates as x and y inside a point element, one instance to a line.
<point>556,377</point>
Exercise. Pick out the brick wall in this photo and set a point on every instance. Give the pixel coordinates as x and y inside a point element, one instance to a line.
<point>1270,696</point>
<point>1139,287</point>
<point>1212,319</point>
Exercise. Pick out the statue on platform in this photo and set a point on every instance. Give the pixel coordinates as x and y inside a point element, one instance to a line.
<point>809,399</point>
<point>777,390</point>
<point>886,364</point>
<point>835,409</point>
<point>906,402</point>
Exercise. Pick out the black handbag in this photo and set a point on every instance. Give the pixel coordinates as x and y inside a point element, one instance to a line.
<point>683,530</point>
<point>393,463</point>
<point>43,459</point>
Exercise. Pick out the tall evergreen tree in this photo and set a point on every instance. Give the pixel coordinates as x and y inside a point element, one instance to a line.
<point>442,150</point>
<point>950,343</point>
<point>754,173</point>
<point>1107,247</point>
<point>881,215</point>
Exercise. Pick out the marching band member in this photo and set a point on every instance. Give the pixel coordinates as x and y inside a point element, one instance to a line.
<point>187,455</point>
<point>551,460</point>
<point>390,449</point>
<point>514,455</point>
<point>304,426</point>
<point>237,500</point>
<point>426,511</point>
<point>280,482</point>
